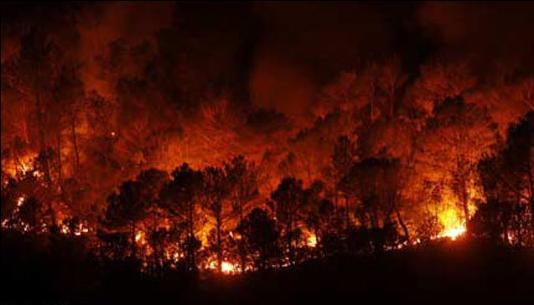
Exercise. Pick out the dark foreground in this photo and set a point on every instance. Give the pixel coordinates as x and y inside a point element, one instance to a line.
<point>446,273</point>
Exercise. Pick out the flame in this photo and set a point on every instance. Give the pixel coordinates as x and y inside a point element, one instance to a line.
<point>453,224</point>
<point>64,229</point>
<point>140,237</point>
<point>311,241</point>
<point>25,167</point>
<point>228,268</point>
<point>453,233</point>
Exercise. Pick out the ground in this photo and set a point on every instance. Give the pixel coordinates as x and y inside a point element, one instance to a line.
<point>444,273</point>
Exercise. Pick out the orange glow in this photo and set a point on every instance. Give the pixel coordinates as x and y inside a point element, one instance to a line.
<point>311,241</point>
<point>453,225</point>
<point>228,268</point>
<point>20,201</point>
<point>140,237</point>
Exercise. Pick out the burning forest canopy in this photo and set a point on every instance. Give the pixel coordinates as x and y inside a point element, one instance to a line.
<point>252,135</point>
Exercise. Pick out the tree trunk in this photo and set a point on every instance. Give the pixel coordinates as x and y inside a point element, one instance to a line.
<point>240,248</point>
<point>317,240</point>
<point>289,234</point>
<point>133,250</point>
<point>59,164</point>
<point>403,225</point>
<point>74,142</point>
<point>465,201</point>
<point>219,244</point>
<point>190,249</point>
<point>42,141</point>
<point>155,247</point>
<point>347,218</point>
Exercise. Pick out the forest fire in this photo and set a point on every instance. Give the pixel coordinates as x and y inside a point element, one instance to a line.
<point>170,138</point>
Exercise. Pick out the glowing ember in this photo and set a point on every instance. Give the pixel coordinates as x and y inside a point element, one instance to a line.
<point>20,201</point>
<point>64,229</point>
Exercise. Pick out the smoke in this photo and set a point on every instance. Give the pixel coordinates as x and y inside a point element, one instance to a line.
<point>101,24</point>
<point>305,45</point>
<point>497,37</point>
<point>279,85</point>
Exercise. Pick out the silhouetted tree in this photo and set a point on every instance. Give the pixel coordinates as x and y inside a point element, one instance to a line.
<point>126,208</point>
<point>152,181</point>
<point>491,221</point>
<point>180,197</point>
<point>215,189</point>
<point>343,157</point>
<point>288,204</point>
<point>317,210</point>
<point>259,237</point>
<point>69,93</point>
<point>507,182</point>
<point>374,182</point>
<point>242,176</point>
<point>133,202</point>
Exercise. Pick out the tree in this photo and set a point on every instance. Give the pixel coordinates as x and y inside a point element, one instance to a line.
<point>33,75</point>
<point>375,183</point>
<point>215,190</point>
<point>126,208</point>
<point>288,205</point>
<point>343,157</point>
<point>133,201</point>
<point>242,176</point>
<point>179,197</point>
<point>507,180</point>
<point>491,222</point>
<point>69,93</point>
<point>259,236</point>
<point>152,181</point>
<point>455,139</point>
<point>317,210</point>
